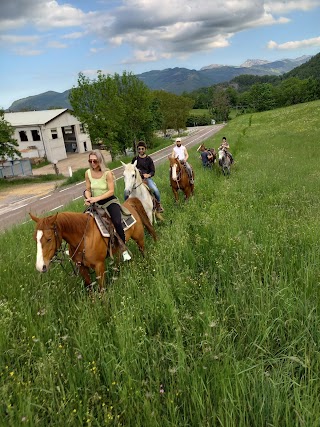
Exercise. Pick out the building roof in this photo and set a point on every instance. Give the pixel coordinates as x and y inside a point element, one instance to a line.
<point>33,118</point>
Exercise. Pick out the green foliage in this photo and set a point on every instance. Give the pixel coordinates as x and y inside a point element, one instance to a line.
<point>217,325</point>
<point>114,109</point>
<point>173,110</point>
<point>8,145</point>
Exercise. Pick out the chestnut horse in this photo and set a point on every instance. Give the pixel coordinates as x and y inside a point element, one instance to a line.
<point>179,179</point>
<point>87,247</point>
<point>211,157</point>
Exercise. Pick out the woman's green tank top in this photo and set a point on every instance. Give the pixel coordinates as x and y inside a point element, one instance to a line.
<point>98,185</point>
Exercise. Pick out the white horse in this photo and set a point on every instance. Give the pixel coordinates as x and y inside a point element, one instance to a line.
<point>224,162</point>
<point>135,187</point>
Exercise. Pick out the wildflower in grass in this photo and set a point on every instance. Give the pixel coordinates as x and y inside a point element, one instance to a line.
<point>42,312</point>
<point>24,419</point>
<point>161,389</point>
<point>11,374</point>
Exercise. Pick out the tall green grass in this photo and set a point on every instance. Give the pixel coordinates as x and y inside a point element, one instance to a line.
<point>217,326</point>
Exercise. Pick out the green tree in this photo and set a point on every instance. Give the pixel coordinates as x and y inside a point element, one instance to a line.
<point>136,100</point>
<point>98,105</point>
<point>8,145</point>
<point>220,107</point>
<point>262,96</point>
<point>173,110</point>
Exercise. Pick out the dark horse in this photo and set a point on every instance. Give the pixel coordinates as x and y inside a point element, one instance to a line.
<point>208,155</point>
<point>87,247</point>
<point>179,179</point>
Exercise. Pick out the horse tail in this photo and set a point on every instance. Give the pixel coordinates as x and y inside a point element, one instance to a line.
<point>138,206</point>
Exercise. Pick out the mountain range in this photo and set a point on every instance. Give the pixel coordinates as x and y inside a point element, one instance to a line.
<point>175,80</point>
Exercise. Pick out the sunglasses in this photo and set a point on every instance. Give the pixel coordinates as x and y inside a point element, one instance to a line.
<point>93,161</point>
<point>141,148</point>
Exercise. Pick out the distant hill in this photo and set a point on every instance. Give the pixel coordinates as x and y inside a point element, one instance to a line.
<point>306,70</point>
<point>175,80</point>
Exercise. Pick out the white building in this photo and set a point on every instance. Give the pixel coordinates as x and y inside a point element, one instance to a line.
<point>48,133</point>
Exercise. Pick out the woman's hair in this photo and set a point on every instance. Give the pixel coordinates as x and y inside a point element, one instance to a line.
<point>100,159</point>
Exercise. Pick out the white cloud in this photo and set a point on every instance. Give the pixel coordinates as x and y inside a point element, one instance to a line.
<point>28,52</point>
<point>14,39</point>
<point>170,27</point>
<point>280,7</point>
<point>294,45</point>
<point>56,45</point>
<point>75,35</point>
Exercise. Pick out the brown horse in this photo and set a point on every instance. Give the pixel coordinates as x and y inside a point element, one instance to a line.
<point>179,179</point>
<point>87,247</point>
<point>211,156</point>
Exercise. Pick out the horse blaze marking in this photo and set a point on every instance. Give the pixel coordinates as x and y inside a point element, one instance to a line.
<point>174,172</point>
<point>39,262</point>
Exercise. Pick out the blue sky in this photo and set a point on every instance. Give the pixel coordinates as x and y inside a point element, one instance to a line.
<point>44,44</point>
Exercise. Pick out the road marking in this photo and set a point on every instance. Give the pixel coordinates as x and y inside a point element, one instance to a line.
<point>14,209</point>
<point>55,208</point>
<point>79,197</point>
<point>80,183</point>
<point>65,189</point>
<point>44,197</point>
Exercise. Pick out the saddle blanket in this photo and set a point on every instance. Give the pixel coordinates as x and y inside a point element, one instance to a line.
<point>127,222</point>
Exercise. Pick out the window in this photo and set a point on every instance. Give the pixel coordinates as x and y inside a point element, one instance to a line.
<point>81,128</point>
<point>23,135</point>
<point>54,133</point>
<point>68,129</point>
<point>35,135</point>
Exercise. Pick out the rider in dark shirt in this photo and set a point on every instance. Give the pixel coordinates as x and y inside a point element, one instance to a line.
<point>146,168</point>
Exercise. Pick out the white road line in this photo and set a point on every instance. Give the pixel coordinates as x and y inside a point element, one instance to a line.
<point>45,197</point>
<point>79,197</point>
<point>14,209</point>
<point>55,208</point>
<point>80,183</point>
<point>65,189</point>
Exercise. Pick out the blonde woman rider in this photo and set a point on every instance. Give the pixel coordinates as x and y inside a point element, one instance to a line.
<point>100,190</point>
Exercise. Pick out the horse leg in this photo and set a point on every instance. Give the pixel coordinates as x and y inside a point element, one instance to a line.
<point>100,273</point>
<point>175,193</point>
<point>84,272</point>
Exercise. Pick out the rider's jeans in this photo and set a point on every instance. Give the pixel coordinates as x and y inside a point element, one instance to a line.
<point>152,185</point>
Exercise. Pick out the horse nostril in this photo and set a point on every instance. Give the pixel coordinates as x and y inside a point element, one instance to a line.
<point>44,269</point>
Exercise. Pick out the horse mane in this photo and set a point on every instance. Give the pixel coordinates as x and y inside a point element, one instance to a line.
<point>71,221</point>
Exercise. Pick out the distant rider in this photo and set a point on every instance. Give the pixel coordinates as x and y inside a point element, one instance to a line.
<point>179,151</point>
<point>225,146</point>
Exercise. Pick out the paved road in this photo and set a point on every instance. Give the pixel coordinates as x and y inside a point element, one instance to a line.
<point>19,212</point>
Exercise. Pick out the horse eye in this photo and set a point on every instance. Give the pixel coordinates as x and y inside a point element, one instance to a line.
<point>49,240</point>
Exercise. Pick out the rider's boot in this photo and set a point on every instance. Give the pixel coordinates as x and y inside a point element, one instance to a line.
<point>159,208</point>
<point>126,256</point>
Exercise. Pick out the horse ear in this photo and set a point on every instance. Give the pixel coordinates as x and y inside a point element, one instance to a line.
<point>53,218</point>
<point>135,163</point>
<point>123,164</point>
<point>34,218</point>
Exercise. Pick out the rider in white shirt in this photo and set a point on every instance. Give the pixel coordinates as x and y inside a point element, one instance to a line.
<point>179,151</point>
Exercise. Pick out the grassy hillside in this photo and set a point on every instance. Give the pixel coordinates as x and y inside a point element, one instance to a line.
<point>217,326</point>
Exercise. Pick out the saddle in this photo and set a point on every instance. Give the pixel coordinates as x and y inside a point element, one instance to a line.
<point>104,222</point>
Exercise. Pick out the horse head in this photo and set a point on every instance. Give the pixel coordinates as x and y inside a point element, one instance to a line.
<point>48,240</point>
<point>131,176</point>
<point>175,167</point>
<point>201,147</point>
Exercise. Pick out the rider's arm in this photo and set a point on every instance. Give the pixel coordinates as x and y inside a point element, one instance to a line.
<point>186,154</point>
<point>108,193</point>
<point>87,191</point>
<point>151,168</point>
